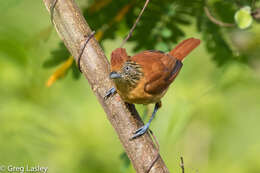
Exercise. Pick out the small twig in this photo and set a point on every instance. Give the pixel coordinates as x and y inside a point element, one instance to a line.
<point>182,165</point>
<point>155,140</point>
<point>253,4</point>
<point>150,167</point>
<point>238,3</point>
<point>214,20</point>
<point>158,151</point>
<point>133,27</point>
<point>54,2</point>
<point>83,48</point>
<point>256,14</point>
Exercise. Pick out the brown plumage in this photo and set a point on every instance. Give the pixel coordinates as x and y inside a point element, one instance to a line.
<point>157,71</point>
<point>145,77</point>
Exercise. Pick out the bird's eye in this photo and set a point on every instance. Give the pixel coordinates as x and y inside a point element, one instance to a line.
<point>127,68</point>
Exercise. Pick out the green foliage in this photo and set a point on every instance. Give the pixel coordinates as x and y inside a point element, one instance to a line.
<point>162,22</point>
<point>243,17</point>
<point>226,15</point>
<point>126,162</point>
<point>57,56</point>
<point>75,71</point>
<point>215,42</point>
<point>97,19</point>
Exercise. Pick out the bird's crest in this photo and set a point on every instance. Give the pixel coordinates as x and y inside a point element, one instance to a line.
<point>118,58</point>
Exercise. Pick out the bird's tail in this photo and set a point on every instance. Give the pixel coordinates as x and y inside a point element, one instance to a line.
<point>184,48</point>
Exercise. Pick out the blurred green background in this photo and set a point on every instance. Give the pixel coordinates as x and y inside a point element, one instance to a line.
<point>210,115</point>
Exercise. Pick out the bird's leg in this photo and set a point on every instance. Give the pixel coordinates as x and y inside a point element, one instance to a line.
<point>144,128</point>
<point>110,92</point>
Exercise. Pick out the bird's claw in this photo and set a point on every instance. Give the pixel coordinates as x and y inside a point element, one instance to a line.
<point>110,92</point>
<point>140,131</point>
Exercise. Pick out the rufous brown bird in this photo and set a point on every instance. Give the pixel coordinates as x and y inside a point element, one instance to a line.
<point>145,77</point>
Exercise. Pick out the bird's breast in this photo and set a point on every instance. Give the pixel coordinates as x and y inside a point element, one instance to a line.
<point>138,95</point>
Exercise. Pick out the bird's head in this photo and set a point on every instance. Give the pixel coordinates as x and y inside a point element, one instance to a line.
<point>124,71</point>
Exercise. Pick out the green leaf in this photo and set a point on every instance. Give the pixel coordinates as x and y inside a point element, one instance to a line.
<point>161,46</point>
<point>166,33</point>
<point>75,71</point>
<point>58,56</point>
<point>126,162</point>
<point>243,17</point>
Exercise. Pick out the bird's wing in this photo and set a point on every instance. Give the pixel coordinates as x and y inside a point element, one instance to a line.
<point>159,70</point>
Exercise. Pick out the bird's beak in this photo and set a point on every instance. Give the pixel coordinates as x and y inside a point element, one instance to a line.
<point>114,75</point>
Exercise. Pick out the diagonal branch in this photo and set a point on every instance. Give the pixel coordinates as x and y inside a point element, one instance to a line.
<point>72,29</point>
<point>214,20</point>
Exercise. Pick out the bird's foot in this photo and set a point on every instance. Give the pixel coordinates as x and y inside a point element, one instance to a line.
<point>110,92</point>
<point>141,131</point>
